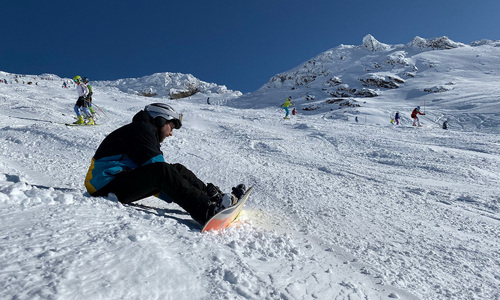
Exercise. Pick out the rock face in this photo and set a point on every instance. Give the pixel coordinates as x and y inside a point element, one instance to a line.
<point>370,43</point>
<point>381,81</point>
<point>440,43</point>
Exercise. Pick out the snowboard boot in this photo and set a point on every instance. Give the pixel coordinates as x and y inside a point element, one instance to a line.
<point>80,120</point>
<point>223,200</point>
<point>239,190</point>
<point>228,200</point>
<point>212,190</point>
<point>220,202</point>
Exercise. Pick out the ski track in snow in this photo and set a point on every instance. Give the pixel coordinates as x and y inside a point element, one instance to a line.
<point>340,210</point>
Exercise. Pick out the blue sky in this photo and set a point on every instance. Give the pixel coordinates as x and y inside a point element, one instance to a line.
<point>237,43</point>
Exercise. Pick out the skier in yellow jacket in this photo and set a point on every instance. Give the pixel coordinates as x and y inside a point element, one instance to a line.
<point>285,106</point>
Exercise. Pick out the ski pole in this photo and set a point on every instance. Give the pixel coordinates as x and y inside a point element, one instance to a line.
<point>99,108</point>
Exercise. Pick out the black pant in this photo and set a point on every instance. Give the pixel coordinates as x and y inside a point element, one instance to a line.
<point>173,180</point>
<point>81,102</point>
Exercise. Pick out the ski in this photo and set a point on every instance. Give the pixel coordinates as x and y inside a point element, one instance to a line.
<point>73,124</point>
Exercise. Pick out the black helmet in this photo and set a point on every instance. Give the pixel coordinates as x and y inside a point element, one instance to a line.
<point>164,111</point>
<point>85,80</point>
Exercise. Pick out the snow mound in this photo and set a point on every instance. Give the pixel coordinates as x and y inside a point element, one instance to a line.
<point>170,85</point>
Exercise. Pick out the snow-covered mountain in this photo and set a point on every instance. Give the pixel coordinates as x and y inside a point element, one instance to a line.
<point>340,210</point>
<point>169,85</point>
<point>450,80</point>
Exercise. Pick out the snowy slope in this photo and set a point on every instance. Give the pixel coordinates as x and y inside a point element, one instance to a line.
<point>341,210</point>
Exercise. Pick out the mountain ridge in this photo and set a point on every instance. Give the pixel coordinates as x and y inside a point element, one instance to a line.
<point>454,81</point>
<point>374,80</point>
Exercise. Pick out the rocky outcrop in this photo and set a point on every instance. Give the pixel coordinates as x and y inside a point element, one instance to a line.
<point>381,81</point>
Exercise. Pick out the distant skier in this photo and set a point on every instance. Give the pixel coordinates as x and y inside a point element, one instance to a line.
<point>81,103</point>
<point>293,112</point>
<point>396,118</point>
<point>414,116</point>
<point>89,96</point>
<point>285,106</point>
<point>445,125</point>
<point>208,100</point>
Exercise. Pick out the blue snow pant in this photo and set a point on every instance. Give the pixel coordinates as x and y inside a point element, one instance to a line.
<point>287,111</point>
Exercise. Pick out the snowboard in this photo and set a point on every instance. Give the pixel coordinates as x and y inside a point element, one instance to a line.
<point>225,217</point>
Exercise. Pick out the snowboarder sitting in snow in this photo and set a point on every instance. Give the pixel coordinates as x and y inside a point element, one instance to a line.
<point>414,116</point>
<point>130,164</point>
<point>285,106</point>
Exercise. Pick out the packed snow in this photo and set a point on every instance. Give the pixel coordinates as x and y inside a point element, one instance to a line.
<point>340,209</point>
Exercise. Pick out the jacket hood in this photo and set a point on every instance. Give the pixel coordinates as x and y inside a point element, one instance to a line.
<point>142,116</point>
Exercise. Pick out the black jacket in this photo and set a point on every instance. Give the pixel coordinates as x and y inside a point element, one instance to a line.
<point>133,145</point>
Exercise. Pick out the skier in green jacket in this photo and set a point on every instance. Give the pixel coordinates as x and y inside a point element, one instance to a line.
<point>89,95</point>
<point>285,106</point>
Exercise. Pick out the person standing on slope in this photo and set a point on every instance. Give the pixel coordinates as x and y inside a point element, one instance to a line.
<point>445,124</point>
<point>89,96</point>
<point>80,103</point>
<point>285,106</point>
<point>396,118</point>
<point>130,164</point>
<point>414,116</point>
